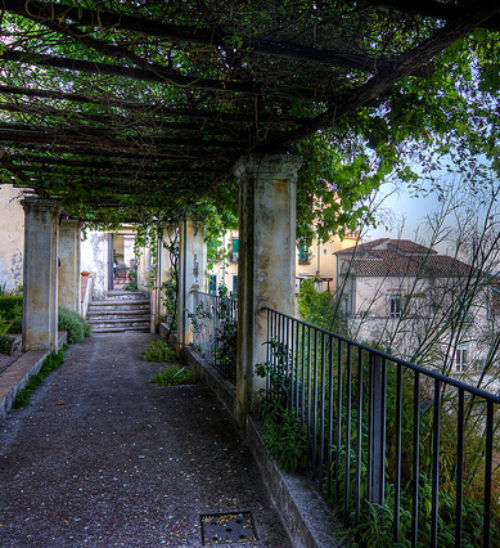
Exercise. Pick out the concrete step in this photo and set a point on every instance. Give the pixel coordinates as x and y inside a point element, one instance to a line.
<point>119,329</point>
<point>124,302</point>
<point>120,311</point>
<point>125,296</point>
<point>116,314</point>
<point>117,324</point>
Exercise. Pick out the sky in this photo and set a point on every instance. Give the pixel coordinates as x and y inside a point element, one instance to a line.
<point>402,214</point>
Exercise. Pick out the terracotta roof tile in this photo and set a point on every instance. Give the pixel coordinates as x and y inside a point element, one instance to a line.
<point>386,257</point>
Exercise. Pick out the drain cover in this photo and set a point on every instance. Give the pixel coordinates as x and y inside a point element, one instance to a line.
<point>227,528</point>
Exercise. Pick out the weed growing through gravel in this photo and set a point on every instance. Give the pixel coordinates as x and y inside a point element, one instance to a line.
<point>173,375</point>
<point>51,363</point>
<point>159,351</point>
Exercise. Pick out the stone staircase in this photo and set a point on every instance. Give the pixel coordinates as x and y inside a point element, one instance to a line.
<point>120,311</point>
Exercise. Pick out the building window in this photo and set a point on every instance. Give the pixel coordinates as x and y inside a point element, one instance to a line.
<point>236,247</point>
<point>396,304</point>
<point>304,255</point>
<point>461,361</point>
<point>212,284</point>
<point>235,287</point>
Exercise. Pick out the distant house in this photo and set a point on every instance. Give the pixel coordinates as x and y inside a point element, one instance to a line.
<point>420,305</point>
<point>312,260</point>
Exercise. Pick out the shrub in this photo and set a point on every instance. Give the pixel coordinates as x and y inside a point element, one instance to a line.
<point>11,309</point>
<point>6,343</point>
<point>74,324</point>
<point>283,436</point>
<point>159,351</point>
<point>132,287</point>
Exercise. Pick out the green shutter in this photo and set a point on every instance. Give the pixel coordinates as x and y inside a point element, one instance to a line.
<point>235,245</point>
<point>212,284</point>
<point>304,254</point>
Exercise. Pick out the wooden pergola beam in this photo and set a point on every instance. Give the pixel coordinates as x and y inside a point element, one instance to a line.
<point>165,77</point>
<point>152,155</point>
<point>215,37</point>
<point>149,164</point>
<point>150,109</point>
<point>45,136</point>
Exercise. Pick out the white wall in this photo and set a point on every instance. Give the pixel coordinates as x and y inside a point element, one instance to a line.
<point>11,238</point>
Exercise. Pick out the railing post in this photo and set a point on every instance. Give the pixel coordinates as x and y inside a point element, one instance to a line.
<point>376,466</point>
<point>198,329</point>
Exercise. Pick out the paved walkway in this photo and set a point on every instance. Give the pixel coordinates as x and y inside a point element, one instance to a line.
<point>103,457</point>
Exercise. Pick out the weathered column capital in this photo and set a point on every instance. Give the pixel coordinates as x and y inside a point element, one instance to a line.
<point>32,203</point>
<point>268,166</point>
<point>75,223</point>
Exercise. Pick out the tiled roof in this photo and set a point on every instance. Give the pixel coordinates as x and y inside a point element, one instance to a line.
<point>386,257</point>
<point>401,246</point>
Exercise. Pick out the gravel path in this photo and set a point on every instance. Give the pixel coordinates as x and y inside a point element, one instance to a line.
<point>103,457</point>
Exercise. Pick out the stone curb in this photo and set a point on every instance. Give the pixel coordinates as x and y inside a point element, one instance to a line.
<point>303,512</point>
<point>16,376</point>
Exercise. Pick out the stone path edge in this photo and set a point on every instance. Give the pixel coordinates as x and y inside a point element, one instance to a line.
<point>17,375</point>
<point>305,515</point>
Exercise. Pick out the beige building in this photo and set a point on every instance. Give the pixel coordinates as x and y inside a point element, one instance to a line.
<point>318,260</point>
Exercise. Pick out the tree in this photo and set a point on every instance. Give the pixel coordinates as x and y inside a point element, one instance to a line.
<point>437,311</point>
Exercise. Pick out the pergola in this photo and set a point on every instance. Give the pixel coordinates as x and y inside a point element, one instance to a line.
<point>138,105</point>
<point>133,111</point>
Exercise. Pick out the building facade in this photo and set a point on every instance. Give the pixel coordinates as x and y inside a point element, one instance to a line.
<point>428,308</point>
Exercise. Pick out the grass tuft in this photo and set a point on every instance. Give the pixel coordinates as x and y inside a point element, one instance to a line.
<point>51,363</point>
<point>173,375</point>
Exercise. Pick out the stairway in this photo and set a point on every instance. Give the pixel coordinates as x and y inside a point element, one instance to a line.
<point>120,311</point>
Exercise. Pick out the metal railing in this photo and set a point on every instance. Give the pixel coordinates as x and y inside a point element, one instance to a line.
<point>215,321</point>
<point>387,440</point>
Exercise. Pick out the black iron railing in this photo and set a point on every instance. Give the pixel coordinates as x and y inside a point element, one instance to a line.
<point>404,448</point>
<point>215,321</point>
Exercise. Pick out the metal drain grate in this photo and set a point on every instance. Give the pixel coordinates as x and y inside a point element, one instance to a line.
<point>227,528</point>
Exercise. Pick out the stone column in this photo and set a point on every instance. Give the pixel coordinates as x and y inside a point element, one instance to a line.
<point>69,278</point>
<point>164,270</point>
<point>192,274</point>
<point>41,233</point>
<point>266,266</point>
